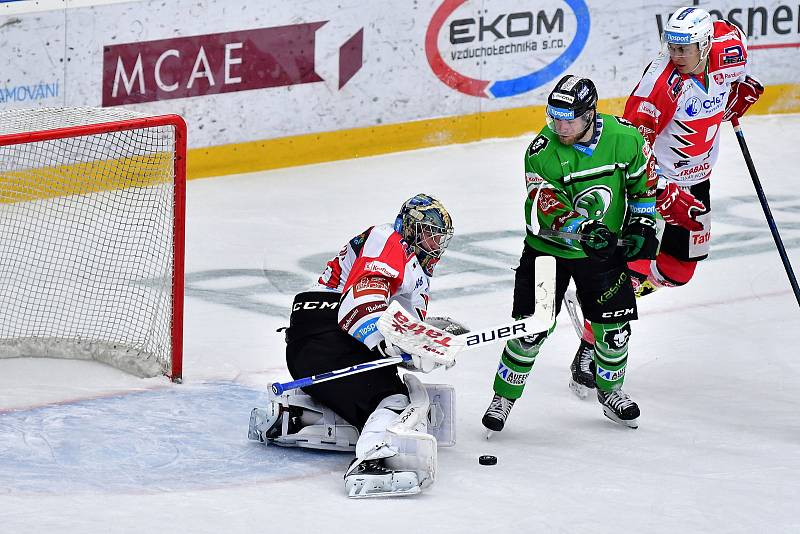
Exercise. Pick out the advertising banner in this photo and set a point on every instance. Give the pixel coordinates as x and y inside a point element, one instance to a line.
<point>241,71</point>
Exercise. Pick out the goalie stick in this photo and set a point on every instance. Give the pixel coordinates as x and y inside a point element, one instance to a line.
<point>400,328</point>
<point>278,388</point>
<point>542,320</point>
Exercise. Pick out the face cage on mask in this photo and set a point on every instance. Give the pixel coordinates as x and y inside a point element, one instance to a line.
<point>569,127</point>
<point>431,239</point>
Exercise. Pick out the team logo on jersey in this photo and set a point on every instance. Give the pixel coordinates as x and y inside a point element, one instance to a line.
<point>719,78</point>
<point>517,49</point>
<point>538,145</point>
<point>698,136</point>
<point>675,83</point>
<point>593,203</point>
<point>732,55</point>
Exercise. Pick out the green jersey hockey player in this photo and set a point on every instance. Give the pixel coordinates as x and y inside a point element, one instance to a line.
<point>591,184</point>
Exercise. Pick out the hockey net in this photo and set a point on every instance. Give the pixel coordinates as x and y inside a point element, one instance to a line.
<point>92,206</point>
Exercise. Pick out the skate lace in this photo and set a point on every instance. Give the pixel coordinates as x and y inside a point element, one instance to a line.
<point>618,399</point>
<point>500,407</point>
<point>586,358</point>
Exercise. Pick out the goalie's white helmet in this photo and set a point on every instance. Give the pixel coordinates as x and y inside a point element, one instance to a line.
<point>689,25</point>
<point>427,227</point>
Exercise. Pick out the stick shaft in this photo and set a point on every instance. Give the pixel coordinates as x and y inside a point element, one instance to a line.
<point>762,198</point>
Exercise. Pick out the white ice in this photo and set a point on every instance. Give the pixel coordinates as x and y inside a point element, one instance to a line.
<point>85,448</point>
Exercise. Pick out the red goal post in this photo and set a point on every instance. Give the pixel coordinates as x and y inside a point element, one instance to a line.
<point>92,224</point>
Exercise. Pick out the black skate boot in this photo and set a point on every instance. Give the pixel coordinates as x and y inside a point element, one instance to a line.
<point>583,370</point>
<point>619,407</point>
<point>495,417</point>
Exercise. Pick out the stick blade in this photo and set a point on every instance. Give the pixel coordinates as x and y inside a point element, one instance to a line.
<point>545,290</point>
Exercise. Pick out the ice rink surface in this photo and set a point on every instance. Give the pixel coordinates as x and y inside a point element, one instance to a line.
<point>714,366</point>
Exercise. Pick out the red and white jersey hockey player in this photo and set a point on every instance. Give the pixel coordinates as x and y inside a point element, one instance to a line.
<point>376,413</point>
<point>388,262</point>
<point>699,80</point>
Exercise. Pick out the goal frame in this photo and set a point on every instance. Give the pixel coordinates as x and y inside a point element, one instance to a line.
<point>179,204</point>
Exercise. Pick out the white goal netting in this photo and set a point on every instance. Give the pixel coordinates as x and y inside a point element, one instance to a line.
<point>87,245</point>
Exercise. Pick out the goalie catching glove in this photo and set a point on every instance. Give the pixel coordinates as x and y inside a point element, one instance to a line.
<point>429,346</point>
<point>420,361</point>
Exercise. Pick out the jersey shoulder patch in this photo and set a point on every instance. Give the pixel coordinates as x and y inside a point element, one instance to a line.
<point>537,145</point>
<point>625,122</point>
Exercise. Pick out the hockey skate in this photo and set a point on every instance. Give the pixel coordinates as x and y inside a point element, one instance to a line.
<point>583,370</point>
<point>495,417</point>
<point>371,478</point>
<point>619,407</point>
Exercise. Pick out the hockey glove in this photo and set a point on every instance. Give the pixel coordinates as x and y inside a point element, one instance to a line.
<point>743,95</point>
<point>679,207</point>
<point>423,363</point>
<point>599,242</point>
<point>387,350</point>
<point>642,234</point>
<point>449,325</point>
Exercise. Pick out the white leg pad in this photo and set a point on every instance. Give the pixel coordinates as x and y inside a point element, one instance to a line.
<point>442,413</point>
<point>408,435</point>
<point>321,427</point>
<point>403,443</point>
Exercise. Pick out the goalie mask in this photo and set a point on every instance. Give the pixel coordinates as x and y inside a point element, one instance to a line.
<point>426,227</point>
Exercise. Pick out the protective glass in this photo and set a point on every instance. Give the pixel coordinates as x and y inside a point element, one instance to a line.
<point>677,51</point>
<point>564,123</point>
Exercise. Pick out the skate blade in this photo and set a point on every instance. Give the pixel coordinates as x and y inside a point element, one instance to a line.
<point>488,433</point>
<point>257,419</point>
<point>383,493</point>
<point>631,423</point>
<point>580,391</point>
<point>399,484</point>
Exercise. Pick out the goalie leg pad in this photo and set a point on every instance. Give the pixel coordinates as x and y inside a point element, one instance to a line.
<point>408,435</point>
<point>405,452</point>
<point>297,420</point>
<point>442,413</point>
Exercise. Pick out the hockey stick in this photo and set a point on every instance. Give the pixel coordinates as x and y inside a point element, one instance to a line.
<point>764,206</point>
<point>541,321</point>
<point>278,388</point>
<point>547,232</point>
<point>402,329</point>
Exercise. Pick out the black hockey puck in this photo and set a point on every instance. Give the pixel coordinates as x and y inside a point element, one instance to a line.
<point>487,459</point>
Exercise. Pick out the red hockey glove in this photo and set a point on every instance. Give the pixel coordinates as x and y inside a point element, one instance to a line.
<point>679,207</point>
<point>743,95</point>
